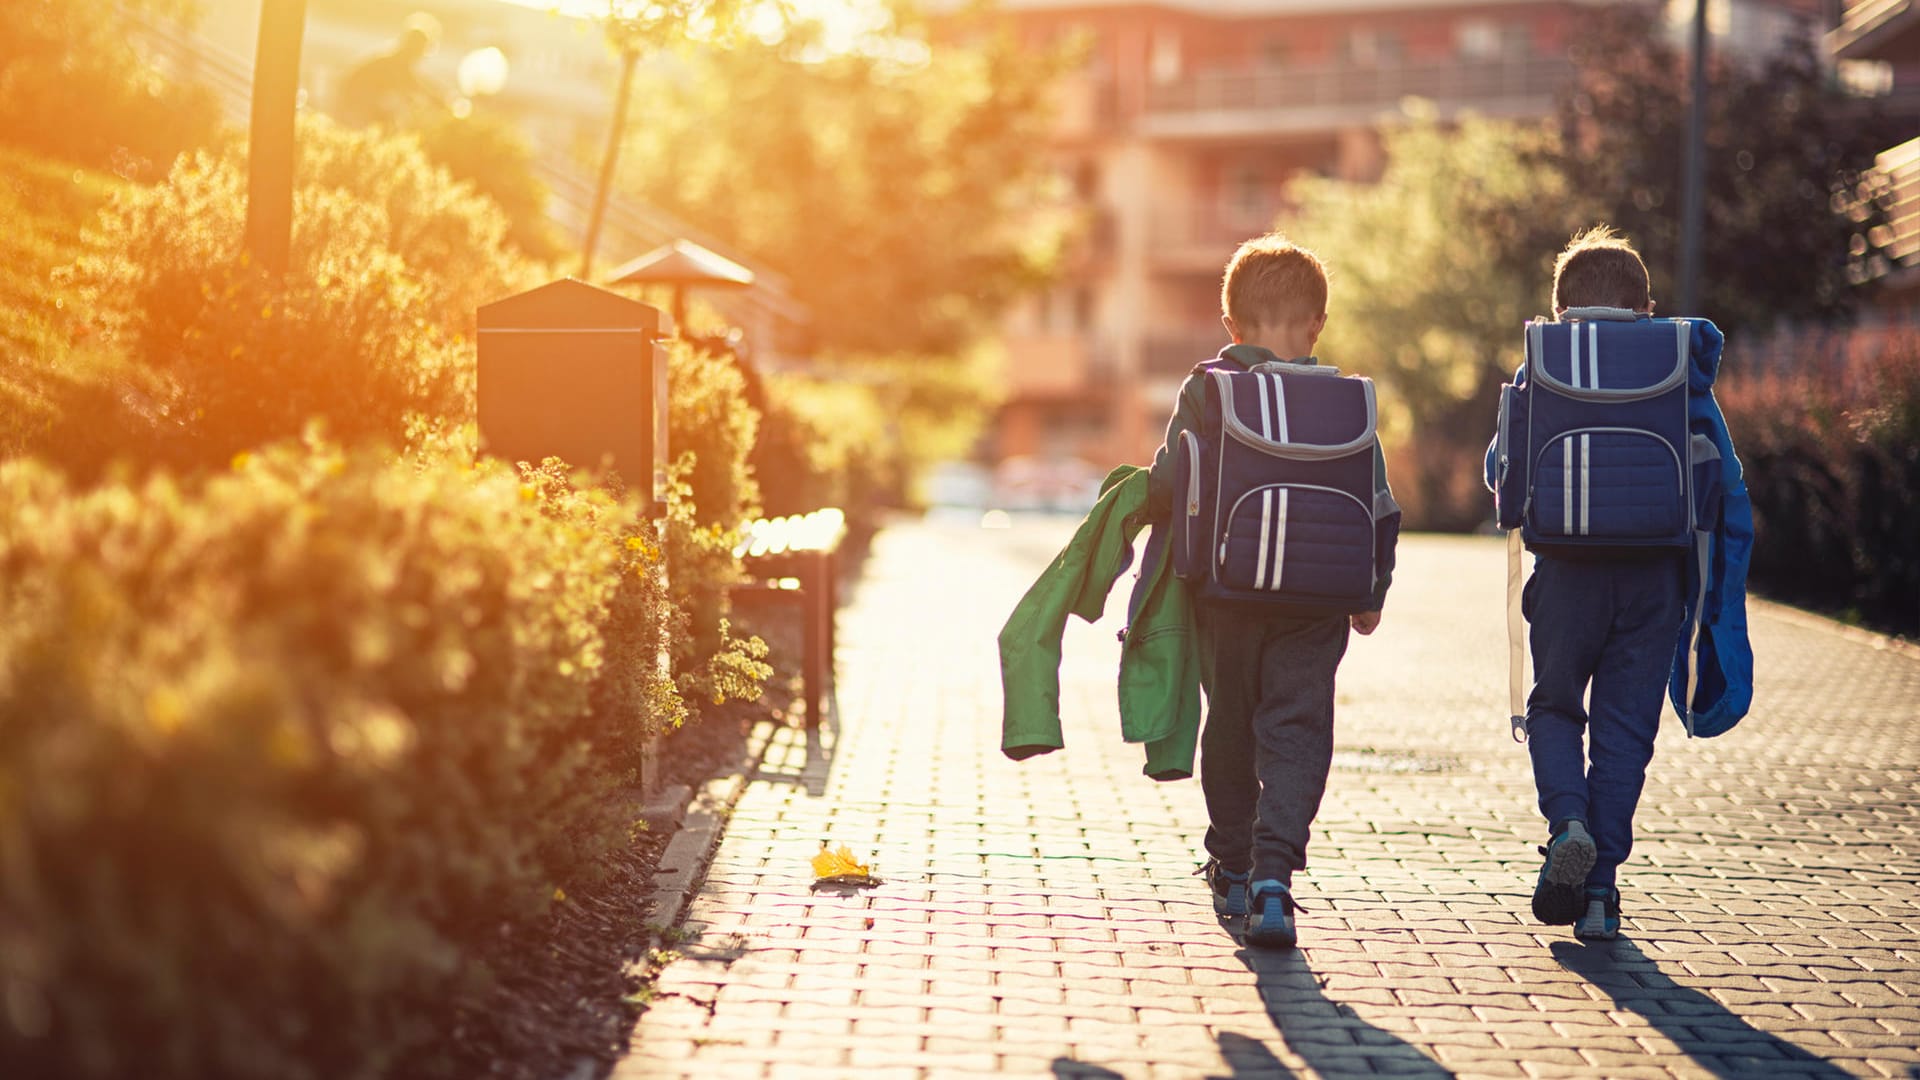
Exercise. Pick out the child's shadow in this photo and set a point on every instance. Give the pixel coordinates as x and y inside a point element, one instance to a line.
<point>1332,1038</point>
<point>1722,1043</point>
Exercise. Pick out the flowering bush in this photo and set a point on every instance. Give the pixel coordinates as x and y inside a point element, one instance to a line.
<point>280,742</point>
<point>712,496</point>
<point>1831,446</point>
<point>390,258</point>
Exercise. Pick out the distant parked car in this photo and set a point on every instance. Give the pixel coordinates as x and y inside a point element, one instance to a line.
<point>959,484</point>
<point>1059,485</point>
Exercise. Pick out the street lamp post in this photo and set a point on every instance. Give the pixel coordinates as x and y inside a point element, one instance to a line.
<point>629,59</point>
<point>270,153</point>
<point>1693,179</point>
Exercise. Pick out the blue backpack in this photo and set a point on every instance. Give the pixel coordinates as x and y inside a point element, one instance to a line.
<point>1274,493</point>
<point>1594,450</point>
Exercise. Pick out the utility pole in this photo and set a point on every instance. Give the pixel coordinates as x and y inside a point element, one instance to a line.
<point>270,149</point>
<point>629,59</point>
<point>1693,179</point>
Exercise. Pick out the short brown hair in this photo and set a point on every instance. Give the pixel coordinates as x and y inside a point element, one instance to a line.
<point>1270,281</point>
<point>1600,268</point>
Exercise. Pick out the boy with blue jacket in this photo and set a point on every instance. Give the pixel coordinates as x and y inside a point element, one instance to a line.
<point>1603,626</point>
<point>1266,747</point>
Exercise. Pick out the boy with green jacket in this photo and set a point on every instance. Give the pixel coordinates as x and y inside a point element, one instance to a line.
<point>1266,747</point>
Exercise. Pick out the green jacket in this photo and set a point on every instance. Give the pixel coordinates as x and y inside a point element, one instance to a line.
<point>1159,656</point>
<point>1190,408</point>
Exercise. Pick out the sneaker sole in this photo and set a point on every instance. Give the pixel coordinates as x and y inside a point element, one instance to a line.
<point>1559,898</point>
<point>1272,937</point>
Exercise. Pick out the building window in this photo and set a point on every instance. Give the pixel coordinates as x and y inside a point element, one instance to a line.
<point>1477,39</point>
<point>1164,63</point>
<point>1371,48</point>
<point>1243,198</point>
<point>1086,178</point>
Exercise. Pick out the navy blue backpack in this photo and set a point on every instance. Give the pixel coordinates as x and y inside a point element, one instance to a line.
<point>1274,493</point>
<point>1594,451</point>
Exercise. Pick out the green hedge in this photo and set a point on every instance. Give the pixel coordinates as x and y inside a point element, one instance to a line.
<point>274,746</point>
<point>1831,447</point>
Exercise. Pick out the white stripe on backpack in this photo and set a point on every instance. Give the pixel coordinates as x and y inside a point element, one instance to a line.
<point>1266,525</point>
<point>1279,407</point>
<point>1280,541</point>
<point>1586,479</point>
<point>1568,448</point>
<point>1266,417</point>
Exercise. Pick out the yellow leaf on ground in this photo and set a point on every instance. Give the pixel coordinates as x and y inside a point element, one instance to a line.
<point>840,865</point>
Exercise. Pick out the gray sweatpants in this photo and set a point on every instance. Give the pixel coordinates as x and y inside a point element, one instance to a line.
<point>1267,743</point>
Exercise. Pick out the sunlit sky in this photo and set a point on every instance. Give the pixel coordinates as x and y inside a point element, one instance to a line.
<point>844,20</point>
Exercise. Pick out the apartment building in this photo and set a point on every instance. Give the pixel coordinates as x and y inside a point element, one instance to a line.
<point>1884,36</point>
<point>1179,134</point>
<point>1181,130</point>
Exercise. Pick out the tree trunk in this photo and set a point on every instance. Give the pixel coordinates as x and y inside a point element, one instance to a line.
<point>276,97</point>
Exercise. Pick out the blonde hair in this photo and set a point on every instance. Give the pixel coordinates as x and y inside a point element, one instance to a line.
<point>1271,281</point>
<point>1600,268</point>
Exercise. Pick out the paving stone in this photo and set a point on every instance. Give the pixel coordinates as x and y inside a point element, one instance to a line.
<point>1040,918</point>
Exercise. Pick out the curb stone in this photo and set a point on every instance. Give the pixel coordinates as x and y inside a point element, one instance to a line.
<point>701,818</point>
<point>1871,638</point>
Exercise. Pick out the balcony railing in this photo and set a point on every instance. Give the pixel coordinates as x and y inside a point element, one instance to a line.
<point>1214,228</point>
<point>1902,168</point>
<point>1455,82</point>
<point>1171,354</point>
<point>1868,27</point>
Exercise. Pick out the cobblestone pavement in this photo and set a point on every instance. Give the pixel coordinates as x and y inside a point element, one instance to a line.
<point>1040,918</point>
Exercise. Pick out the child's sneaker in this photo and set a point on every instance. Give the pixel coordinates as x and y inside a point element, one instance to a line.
<point>1602,919</point>
<point>1270,925</point>
<point>1229,888</point>
<point>1557,896</point>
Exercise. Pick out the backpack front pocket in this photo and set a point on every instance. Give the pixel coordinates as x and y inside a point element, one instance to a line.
<point>1311,541</point>
<point>1609,483</point>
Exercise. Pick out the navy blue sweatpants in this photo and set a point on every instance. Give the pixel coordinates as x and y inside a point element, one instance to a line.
<point>1611,626</point>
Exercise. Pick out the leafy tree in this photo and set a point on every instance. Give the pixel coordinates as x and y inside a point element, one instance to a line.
<point>893,185</point>
<point>1789,210</point>
<point>1434,269</point>
<point>494,156</point>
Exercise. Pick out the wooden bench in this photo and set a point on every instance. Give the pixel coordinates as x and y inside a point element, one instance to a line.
<point>795,559</point>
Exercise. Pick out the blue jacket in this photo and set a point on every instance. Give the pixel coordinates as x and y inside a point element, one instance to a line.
<point>1723,662</point>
